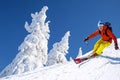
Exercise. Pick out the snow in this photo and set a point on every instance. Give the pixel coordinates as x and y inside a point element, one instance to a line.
<point>33,51</point>
<point>30,62</point>
<point>79,53</point>
<point>104,67</point>
<point>59,51</point>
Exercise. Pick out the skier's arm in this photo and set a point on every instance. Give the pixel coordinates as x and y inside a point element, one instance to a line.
<point>92,35</point>
<point>114,38</point>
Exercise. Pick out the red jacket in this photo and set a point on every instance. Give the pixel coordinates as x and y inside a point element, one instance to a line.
<point>103,35</point>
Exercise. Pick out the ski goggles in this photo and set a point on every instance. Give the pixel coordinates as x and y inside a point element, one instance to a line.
<point>100,24</point>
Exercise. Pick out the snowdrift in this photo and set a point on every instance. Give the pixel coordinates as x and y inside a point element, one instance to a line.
<point>104,67</point>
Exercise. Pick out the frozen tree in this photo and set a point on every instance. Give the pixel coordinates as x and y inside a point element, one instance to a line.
<point>33,51</point>
<point>79,53</point>
<point>60,49</point>
<point>71,59</point>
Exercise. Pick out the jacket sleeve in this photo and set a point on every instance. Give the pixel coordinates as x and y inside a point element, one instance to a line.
<point>93,34</point>
<point>110,33</point>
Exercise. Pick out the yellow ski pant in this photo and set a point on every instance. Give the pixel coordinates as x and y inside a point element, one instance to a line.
<point>100,45</point>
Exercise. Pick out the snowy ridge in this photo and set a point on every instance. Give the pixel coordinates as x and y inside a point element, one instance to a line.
<point>104,67</point>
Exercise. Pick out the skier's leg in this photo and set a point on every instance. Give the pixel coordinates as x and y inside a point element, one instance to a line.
<point>96,46</point>
<point>102,46</point>
<point>97,50</point>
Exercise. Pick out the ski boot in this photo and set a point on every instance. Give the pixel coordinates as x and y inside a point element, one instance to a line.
<point>79,60</point>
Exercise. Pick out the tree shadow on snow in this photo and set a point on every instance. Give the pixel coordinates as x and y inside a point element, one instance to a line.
<point>112,60</point>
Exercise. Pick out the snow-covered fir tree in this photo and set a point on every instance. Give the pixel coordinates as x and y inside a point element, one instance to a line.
<point>60,49</point>
<point>33,51</point>
<point>79,53</point>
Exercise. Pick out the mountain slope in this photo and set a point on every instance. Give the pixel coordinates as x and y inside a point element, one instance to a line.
<point>104,67</point>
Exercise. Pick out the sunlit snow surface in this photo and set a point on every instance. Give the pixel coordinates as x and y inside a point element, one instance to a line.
<point>104,67</point>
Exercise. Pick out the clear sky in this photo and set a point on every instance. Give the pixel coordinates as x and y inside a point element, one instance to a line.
<point>80,17</point>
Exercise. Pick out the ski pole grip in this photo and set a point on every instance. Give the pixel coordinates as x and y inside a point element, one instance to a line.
<point>116,46</point>
<point>87,38</point>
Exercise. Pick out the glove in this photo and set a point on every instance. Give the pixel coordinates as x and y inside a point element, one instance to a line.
<point>86,39</point>
<point>116,46</point>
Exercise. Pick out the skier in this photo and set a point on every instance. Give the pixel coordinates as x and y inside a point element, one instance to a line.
<point>105,31</point>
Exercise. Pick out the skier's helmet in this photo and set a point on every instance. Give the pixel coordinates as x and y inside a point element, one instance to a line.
<point>100,24</point>
<point>107,23</point>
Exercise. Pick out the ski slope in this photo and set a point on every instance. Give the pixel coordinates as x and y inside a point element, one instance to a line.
<point>104,67</point>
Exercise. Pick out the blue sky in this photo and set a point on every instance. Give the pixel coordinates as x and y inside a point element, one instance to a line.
<point>80,17</point>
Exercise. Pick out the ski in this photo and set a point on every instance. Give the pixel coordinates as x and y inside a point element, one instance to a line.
<point>83,62</point>
<point>79,60</point>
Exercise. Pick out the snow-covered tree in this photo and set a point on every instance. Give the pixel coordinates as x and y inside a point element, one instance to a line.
<point>60,49</point>
<point>79,53</point>
<point>33,51</point>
